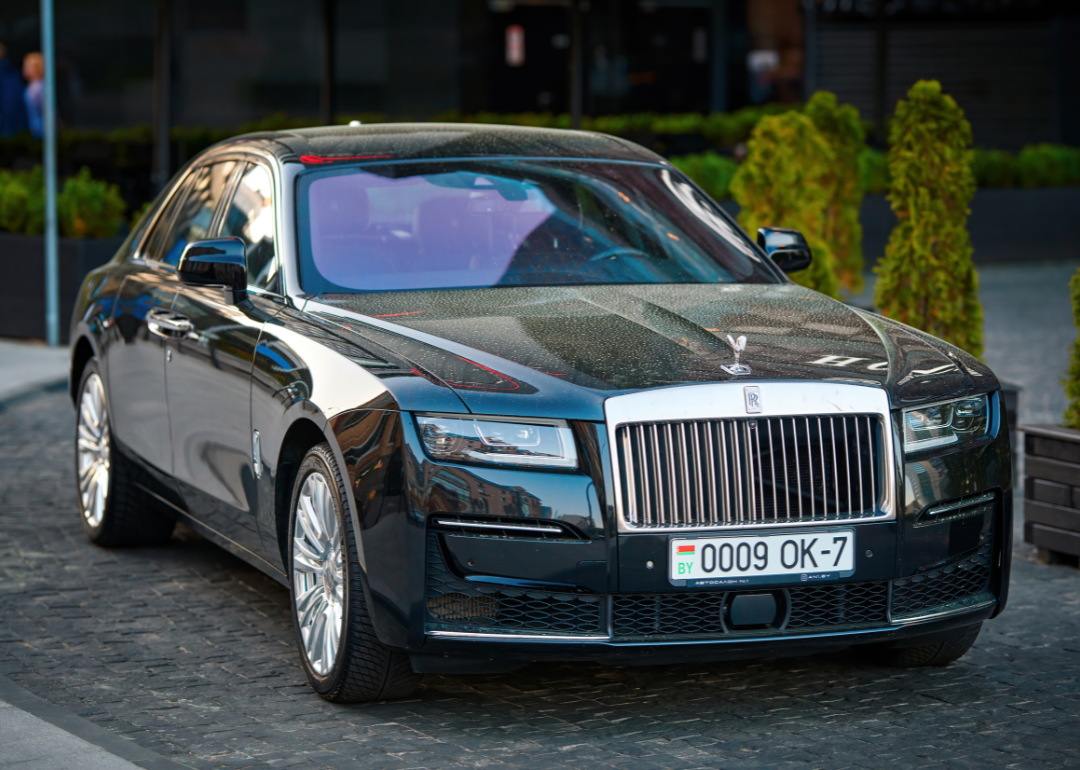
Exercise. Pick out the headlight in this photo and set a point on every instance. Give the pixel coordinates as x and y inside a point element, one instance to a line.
<point>952,422</point>
<point>536,443</point>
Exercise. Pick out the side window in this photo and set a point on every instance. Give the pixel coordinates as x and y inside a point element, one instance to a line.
<point>161,227</point>
<point>250,216</point>
<point>194,215</point>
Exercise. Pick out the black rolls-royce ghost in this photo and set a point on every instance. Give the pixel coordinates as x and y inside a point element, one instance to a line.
<point>481,396</point>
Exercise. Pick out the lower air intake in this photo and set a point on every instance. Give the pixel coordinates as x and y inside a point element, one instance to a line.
<point>454,604</point>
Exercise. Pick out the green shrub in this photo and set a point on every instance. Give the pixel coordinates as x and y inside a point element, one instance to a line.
<point>87,208</point>
<point>22,202</point>
<point>993,168</point>
<point>873,171</point>
<point>1048,165</point>
<point>711,170</point>
<point>926,278</point>
<point>12,210</point>
<point>1072,377</point>
<point>843,130</point>
<point>787,181</point>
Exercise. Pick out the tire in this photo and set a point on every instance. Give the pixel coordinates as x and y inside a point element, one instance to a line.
<point>113,510</point>
<point>937,650</point>
<point>326,585</point>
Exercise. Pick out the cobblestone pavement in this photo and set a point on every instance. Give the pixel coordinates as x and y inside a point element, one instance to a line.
<point>188,651</point>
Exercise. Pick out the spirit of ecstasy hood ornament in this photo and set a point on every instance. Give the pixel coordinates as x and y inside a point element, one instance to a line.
<point>738,345</point>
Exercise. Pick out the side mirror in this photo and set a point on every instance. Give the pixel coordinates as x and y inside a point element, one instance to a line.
<point>787,248</point>
<point>216,262</point>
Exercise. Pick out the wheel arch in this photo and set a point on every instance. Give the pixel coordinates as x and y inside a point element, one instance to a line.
<point>81,353</point>
<point>301,436</point>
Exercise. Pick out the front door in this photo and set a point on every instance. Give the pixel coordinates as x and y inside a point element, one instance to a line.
<point>209,385</point>
<point>209,373</point>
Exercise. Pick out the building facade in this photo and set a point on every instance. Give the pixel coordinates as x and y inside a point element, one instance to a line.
<point>1012,64</point>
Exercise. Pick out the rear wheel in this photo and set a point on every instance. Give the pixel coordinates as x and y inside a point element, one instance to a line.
<point>343,659</point>
<point>939,649</point>
<point>114,511</point>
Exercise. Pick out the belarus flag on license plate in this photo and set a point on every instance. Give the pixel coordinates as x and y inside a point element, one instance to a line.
<point>686,549</point>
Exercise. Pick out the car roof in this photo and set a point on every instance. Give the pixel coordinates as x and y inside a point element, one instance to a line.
<point>417,141</point>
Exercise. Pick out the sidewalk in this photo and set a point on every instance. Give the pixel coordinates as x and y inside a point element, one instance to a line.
<point>26,367</point>
<point>36,735</point>
<point>34,744</point>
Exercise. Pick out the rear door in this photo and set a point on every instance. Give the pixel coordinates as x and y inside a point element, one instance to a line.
<point>136,353</point>
<point>209,375</point>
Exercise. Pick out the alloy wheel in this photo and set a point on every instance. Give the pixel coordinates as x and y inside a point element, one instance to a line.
<point>318,574</point>
<point>93,451</point>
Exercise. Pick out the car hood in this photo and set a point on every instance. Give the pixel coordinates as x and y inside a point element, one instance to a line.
<point>560,351</point>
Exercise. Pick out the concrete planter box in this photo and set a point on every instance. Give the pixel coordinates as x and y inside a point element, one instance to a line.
<point>22,292</point>
<point>1052,492</point>
<point>1012,225</point>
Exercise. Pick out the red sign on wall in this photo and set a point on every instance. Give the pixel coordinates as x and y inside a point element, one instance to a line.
<point>515,45</point>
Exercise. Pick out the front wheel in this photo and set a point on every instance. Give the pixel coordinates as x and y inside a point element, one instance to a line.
<point>939,649</point>
<point>343,659</point>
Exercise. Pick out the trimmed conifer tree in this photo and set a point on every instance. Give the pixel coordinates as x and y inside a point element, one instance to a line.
<point>843,130</point>
<point>1072,378</point>
<point>927,278</point>
<point>786,181</point>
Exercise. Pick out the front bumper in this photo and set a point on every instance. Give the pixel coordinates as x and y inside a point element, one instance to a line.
<point>463,603</point>
<point>647,613</point>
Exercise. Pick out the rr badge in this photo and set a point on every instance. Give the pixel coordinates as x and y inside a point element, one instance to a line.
<point>752,394</point>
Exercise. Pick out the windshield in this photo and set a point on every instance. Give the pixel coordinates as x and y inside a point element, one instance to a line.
<point>513,222</point>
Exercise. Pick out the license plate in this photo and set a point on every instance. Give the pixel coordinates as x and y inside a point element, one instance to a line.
<point>741,560</point>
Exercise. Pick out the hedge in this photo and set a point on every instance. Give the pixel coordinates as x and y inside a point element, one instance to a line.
<point>1037,165</point>
<point>719,129</point>
<point>85,207</point>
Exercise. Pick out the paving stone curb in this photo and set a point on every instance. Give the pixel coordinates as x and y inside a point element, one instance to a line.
<point>22,395</point>
<point>81,728</point>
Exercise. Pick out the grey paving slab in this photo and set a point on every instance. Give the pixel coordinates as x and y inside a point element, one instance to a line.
<point>26,366</point>
<point>29,743</point>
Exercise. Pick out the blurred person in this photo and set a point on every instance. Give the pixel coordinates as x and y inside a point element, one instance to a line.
<point>12,108</point>
<point>34,72</point>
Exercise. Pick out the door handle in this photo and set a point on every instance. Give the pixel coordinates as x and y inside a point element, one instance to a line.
<point>166,323</point>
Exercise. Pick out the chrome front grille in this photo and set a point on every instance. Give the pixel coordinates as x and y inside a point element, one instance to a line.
<point>750,471</point>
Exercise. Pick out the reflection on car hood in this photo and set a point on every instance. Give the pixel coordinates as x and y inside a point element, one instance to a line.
<point>546,350</point>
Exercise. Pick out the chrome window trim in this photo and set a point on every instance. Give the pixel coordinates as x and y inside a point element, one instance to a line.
<point>724,400</point>
<point>176,186</point>
<point>226,195</point>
